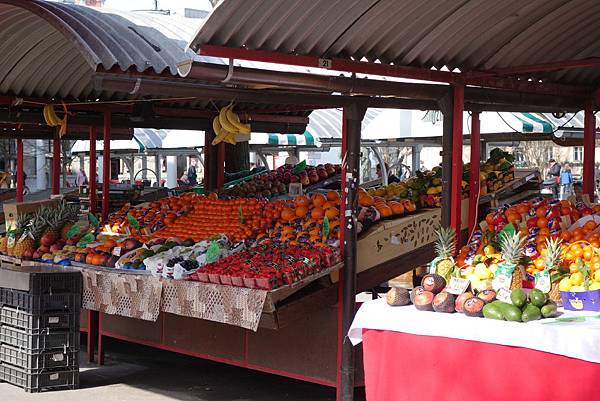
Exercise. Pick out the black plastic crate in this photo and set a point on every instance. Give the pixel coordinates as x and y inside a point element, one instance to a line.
<point>30,321</point>
<point>44,380</point>
<point>41,280</point>
<point>38,304</point>
<point>40,340</point>
<point>50,359</point>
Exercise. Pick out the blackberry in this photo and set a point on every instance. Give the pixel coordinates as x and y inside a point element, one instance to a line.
<point>174,261</point>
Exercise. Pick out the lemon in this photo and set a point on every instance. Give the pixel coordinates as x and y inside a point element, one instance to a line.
<point>577,278</point>
<point>577,288</point>
<point>594,286</point>
<point>597,275</point>
<point>482,272</point>
<point>565,284</point>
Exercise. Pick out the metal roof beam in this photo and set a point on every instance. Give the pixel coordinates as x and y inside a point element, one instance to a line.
<point>538,68</point>
<point>390,70</point>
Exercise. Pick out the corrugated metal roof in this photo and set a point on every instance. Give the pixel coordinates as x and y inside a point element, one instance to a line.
<point>464,34</point>
<point>51,49</point>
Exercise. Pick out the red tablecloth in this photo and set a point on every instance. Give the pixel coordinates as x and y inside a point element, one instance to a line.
<point>409,367</point>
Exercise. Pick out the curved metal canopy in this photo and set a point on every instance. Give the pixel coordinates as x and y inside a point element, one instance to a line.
<point>468,35</point>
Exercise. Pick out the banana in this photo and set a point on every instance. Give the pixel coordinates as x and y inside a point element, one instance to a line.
<point>227,126</point>
<point>54,120</point>
<point>219,132</point>
<point>45,113</point>
<point>230,138</point>
<point>234,120</point>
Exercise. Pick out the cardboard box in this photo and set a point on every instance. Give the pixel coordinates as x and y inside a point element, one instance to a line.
<point>13,209</point>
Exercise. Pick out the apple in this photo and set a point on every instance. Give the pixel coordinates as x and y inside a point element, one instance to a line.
<point>294,178</point>
<point>305,180</point>
<point>321,172</point>
<point>55,247</point>
<point>37,254</point>
<point>314,178</point>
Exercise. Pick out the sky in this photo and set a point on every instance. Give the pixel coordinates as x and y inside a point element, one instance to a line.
<point>162,4</point>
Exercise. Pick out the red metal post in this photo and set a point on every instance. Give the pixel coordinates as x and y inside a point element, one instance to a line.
<point>589,147</point>
<point>56,164</point>
<point>92,175</point>
<point>457,166</point>
<point>207,156</point>
<point>106,167</point>
<point>474,174</point>
<point>220,165</point>
<point>20,177</point>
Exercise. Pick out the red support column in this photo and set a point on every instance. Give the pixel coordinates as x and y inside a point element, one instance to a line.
<point>457,166</point>
<point>589,147</point>
<point>20,178</point>
<point>220,165</point>
<point>475,163</point>
<point>106,167</point>
<point>56,164</point>
<point>92,175</point>
<point>207,156</point>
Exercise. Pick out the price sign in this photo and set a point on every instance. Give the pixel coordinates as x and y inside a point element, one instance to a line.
<point>326,227</point>
<point>213,252</point>
<point>542,281</point>
<point>116,251</point>
<point>503,276</point>
<point>457,285</point>
<point>503,295</point>
<point>73,231</point>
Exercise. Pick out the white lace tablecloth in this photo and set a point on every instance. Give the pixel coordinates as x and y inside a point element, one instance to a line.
<point>579,340</point>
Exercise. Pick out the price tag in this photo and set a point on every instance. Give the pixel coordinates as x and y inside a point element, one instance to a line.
<point>53,319</point>
<point>484,226</point>
<point>54,376</point>
<point>503,295</point>
<point>457,285</point>
<point>59,357</point>
<point>10,241</point>
<point>116,251</point>
<point>213,252</point>
<point>325,227</point>
<point>503,276</point>
<point>542,281</point>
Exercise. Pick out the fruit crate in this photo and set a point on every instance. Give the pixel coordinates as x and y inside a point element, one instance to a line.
<point>38,304</point>
<point>50,359</point>
<point>41,280</point>
<point>43,380</point>
<point>41,340</point>
<point>30,321</point>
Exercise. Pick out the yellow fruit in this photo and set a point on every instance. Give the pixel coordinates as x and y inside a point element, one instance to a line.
<point>597,275</point>
<point>578,288</point>
<point>594,286</point>
<point>576,278</point>
<point>565,284</point>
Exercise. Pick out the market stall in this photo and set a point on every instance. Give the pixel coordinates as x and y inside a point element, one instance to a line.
<point>227,102</point>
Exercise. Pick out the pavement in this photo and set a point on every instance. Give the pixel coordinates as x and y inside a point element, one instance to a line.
<point>137,373</point>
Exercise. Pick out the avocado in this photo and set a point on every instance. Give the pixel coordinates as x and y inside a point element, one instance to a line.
<point>549,310</point>
<point>537,298</point>
<point>492,311</point>
<point>518,297</point>
<point>510,312</point>
<point>530,313</point>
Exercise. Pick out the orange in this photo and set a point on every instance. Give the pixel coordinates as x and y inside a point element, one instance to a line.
<point>545,231</point>
<point>364,199</point>
<point>319,199</point>
<point>384,211</point>
<point>334,197</point>
<point>573,268</point>
<point>317,213</point>
<point>577,251</point>
<point>541,212</point>
<point>522,208</point>
<point>590,225</point>
<point>301,211</point>
<point>489,219</point>
<point>542,222</point>
<point>332,213</point>
<point>539,263</point>
<point>302,200</point>
<point>397,207</point>
<point>287,214</point>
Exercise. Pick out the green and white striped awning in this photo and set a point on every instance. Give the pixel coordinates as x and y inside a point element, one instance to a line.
<point>306,139</point>
<point>534,123</point>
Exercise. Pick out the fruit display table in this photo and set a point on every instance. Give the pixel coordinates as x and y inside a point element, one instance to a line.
<point>410,355</point>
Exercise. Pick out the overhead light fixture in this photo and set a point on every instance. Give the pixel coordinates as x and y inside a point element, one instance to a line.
<point>559,114</point>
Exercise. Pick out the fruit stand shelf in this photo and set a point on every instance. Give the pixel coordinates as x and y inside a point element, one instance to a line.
<point>524,178</point>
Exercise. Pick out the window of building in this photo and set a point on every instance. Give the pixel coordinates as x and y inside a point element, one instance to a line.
<point>578,153</point>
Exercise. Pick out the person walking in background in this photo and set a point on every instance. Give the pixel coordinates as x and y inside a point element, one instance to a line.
<point>391,177</point>
<point>554,173</point>
<point>81,180</point>
<point>192,176</point>
<point>566,182</point>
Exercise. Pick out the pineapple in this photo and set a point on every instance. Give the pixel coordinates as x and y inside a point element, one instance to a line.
<point>3,241</point>
<point>18,231</point>
<point>71,216</point>
<point>445,247</point>
<point>552,262</point>
<point>30,238</point>
<point>512,247</point>
<point>53,219</point>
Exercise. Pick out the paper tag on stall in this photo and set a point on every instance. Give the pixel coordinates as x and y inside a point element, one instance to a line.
<point>503,295</point>
<point>565,222</point>
<point>457,285</point>
<point>542,281</point>
<point>116,251</point>
<point>484,226</point>
<point>503,276</point>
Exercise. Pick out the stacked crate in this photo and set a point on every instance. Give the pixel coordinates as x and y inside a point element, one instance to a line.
<point>39,327</point>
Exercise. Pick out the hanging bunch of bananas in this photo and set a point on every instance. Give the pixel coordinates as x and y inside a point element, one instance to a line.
<point>53,120</point>
<point>228,128</point>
